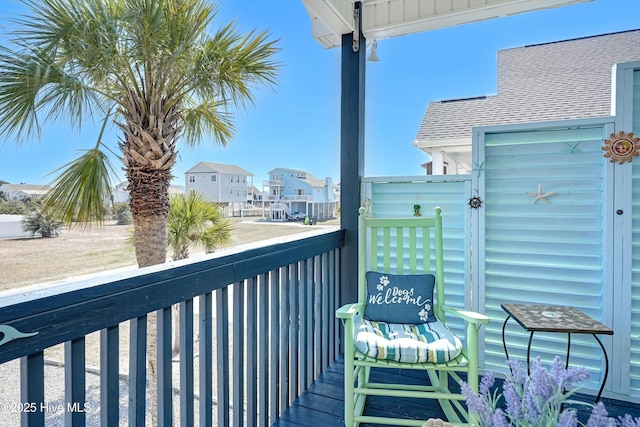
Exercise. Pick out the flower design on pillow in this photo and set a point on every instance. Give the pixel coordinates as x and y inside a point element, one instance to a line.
<point>384,281</point>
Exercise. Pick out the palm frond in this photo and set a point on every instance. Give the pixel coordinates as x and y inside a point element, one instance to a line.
<point>82,190</point>
<point>193,221</point>
<point>208,118</point>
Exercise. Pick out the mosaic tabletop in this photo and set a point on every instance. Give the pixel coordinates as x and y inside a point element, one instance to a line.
<point>554,318</point>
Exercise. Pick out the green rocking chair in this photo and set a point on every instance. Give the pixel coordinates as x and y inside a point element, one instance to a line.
<point>399,320</point>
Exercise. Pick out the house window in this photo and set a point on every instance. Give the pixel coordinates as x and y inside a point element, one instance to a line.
<point>300,192</point>
<point>231,179</point>
<point>213,178</point>
<point>192,178</point>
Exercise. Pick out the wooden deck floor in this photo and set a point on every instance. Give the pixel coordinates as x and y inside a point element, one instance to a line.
<point>323,403</point>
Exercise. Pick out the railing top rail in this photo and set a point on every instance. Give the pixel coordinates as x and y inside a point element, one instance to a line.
<point>83,307</point>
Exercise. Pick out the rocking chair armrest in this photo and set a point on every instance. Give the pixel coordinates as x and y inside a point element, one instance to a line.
<point>466,315</point>
<point>347,311</point>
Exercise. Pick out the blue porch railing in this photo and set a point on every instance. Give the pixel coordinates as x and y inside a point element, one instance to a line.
<point>262,320</point>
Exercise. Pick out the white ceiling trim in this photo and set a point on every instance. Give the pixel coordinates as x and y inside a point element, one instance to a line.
<point>391,18</point>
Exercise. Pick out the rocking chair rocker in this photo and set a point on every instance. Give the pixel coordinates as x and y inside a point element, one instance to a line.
<point>398,321</point>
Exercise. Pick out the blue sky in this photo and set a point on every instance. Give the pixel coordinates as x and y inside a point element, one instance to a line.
<point>297,123</point>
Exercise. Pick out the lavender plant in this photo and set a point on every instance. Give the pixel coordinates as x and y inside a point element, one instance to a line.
<point>536,400</point>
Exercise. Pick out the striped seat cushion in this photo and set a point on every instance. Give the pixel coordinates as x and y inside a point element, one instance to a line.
<point>426,342</point>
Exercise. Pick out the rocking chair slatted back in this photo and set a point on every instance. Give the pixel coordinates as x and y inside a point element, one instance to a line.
<point>401,246</point>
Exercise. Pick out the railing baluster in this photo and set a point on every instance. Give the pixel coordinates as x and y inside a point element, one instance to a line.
<point>137,371</point>
<point>165,384</point>
<point>285,325</point>
<point>74,382</point>
<point>205,309</point>
<point>294,378</point>
<point>109,376</point>
<point>274,342</point>
<point>187,418</point>
<point>317,318</point>
<point>263,353</point>
<point>238,353</point>
<point>327,315</point>
<point>303,318</point>
<point>32,389</point>
<point>307,343</point>
<point>335,302</point>
<point>222,353</point>
<point>252,351</point>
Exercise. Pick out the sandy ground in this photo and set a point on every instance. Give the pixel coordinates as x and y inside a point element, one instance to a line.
<point>78,251</point>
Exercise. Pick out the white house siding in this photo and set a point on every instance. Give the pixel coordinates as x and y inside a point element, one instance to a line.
<point>210,191</point>
<point>231,182</point>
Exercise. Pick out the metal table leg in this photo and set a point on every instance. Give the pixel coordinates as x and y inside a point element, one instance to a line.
<point>504,343</point>
<point>606,368</point>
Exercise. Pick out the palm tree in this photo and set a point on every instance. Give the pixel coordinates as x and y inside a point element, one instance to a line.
<point>151,66</point>
<point>192,221</point>
<point>41,223</point>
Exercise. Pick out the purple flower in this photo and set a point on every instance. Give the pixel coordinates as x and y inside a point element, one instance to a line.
<point>568,419</point>
<point>599,416</point>
<point>535,400</point>
<point>518,374</point>
<point>628,421</point>
<point>476,404</point>
<point>540,383</point>
<point>488,380</point>
<point>499,419</point>
<point>513,400</point>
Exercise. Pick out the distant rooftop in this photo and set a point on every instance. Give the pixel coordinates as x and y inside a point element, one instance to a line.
<point>221,168</point>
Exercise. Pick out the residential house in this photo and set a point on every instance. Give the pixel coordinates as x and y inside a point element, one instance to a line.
<point>295,190</point>
<point>220,183</point>
<point>568,79</point>
<point>119,193</point>
<point>24,191</point>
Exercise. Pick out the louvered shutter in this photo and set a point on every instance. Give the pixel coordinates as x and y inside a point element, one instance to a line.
<point>549,252</point>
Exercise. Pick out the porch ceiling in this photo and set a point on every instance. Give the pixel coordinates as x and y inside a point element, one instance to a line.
<point>383,19</point>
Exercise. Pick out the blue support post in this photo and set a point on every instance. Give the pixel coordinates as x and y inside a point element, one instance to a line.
<point>351,153</point>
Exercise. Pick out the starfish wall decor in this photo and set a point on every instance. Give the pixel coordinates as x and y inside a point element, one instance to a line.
<point>540,195</point>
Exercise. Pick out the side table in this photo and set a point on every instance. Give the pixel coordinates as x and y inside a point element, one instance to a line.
<point>555,318</point>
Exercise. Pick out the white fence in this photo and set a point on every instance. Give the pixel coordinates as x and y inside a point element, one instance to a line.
<point>11,226</point>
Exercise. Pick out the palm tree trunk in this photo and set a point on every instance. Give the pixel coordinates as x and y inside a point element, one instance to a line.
<point>150,211</point>
<point>150,240</point>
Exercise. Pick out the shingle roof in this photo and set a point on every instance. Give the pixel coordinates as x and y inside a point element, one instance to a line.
<point>221,168</point>
<point>552,81</point>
